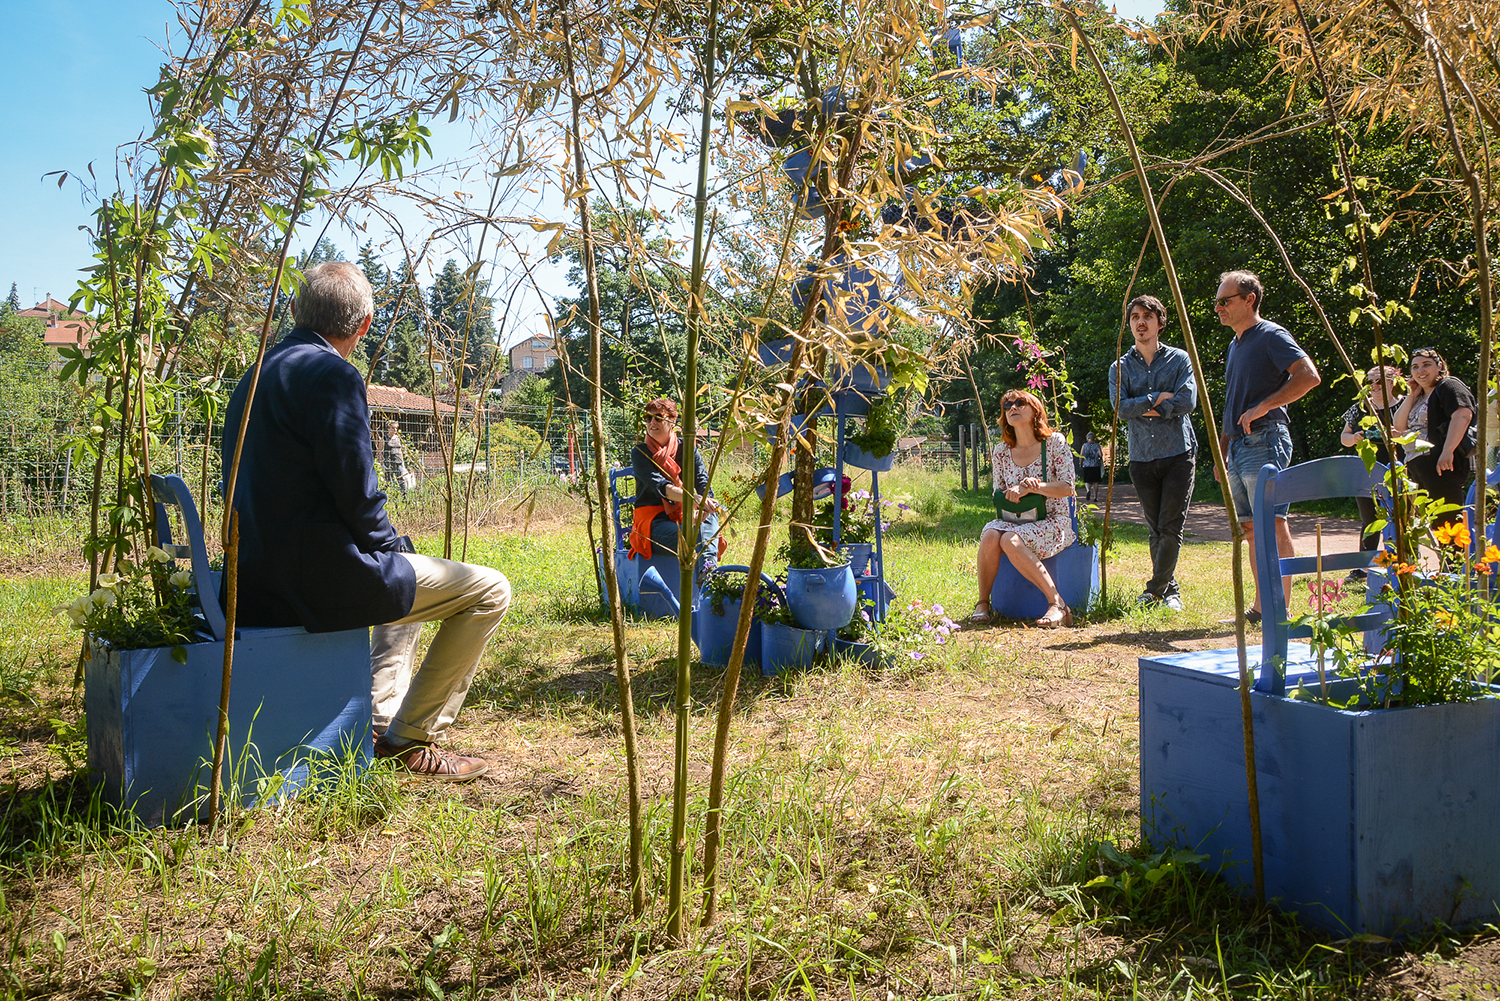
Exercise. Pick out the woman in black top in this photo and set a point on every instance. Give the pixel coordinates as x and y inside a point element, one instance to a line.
<point>1384,387</point>
<point>658,461</point>
<point>1442,470</point>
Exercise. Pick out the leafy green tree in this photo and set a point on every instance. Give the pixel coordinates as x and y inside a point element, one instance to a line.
<point>462,314</point>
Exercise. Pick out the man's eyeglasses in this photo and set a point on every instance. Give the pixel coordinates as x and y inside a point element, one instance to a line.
<point>1013,404</point>
<point>1224,300</point>
<point>658,419</point>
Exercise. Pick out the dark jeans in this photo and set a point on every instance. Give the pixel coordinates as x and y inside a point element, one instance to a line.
<point>1165,487</point>
<point>1369,511</point>
<point>1452,486</point>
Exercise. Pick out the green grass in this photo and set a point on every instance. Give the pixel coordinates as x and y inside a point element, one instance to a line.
<point>927,832</point>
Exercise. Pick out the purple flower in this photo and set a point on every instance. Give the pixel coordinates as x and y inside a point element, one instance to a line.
<point>937,609</point>
<point>917,655</point>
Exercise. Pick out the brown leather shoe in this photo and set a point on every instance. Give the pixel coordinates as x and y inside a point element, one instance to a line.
<point>429,761</point>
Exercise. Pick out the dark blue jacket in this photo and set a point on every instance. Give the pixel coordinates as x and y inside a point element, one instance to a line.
<point>316,547</point>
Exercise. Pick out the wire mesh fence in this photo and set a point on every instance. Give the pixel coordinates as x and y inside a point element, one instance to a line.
<point>498,447</point>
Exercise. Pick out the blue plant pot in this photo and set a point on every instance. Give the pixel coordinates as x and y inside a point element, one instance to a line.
<point>716,634</point>
<point>858,378</point>
<point>859,458</point>
<point>716,630</point>
<point>799,424</point>
<point>859,556</point>
<point>864,653</point>
<point>822,598</point>
<point>787,648</point>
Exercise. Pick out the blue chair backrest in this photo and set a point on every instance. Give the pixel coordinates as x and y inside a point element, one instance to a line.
<point>171,491</point>
<point>1336,476</point>
<point>1478,535</point>
<point>623,507</point>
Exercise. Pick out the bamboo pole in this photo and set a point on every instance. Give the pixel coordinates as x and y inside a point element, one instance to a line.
<point>601,487</point>
<point>1191,343</point>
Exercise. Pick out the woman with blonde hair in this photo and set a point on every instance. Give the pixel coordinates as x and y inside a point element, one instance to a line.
<point>1032,476</point>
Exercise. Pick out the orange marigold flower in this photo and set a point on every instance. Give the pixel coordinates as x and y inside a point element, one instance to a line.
<point>1484,568</point>
<point>1453,534</point>
<point>1385,559</point>
<point>1406,568</point>
<point>1491,554</point>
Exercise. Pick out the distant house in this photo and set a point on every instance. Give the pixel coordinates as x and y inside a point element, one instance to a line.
<point>533,355</point>
<point>62,327</point>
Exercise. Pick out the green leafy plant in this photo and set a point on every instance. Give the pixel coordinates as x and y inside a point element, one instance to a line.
<point>883,422</point>
<point>724,585</point>
<point>771,610</point>
<point>144,605</point>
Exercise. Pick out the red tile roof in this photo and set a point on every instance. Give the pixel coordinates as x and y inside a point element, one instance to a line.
<point>395,398</point>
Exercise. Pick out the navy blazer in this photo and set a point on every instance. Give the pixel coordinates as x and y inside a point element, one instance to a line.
<point>316,547</point>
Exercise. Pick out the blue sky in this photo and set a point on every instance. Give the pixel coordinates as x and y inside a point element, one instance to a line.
<point>73,78</point>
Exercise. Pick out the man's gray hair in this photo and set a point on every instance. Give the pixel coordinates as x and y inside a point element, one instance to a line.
<point>1245,283</point>
<point>334,299</point>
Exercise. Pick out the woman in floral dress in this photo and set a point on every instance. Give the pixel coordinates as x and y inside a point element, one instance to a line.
<point>1017,470</point>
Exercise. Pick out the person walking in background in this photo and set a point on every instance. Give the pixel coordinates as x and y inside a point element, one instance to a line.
<point>1093,466</point>
<point>1443,467</point>
<point>1153,387</point>
<point>394,458</point>
<point>1383,388</point>
<point>1265,371</point>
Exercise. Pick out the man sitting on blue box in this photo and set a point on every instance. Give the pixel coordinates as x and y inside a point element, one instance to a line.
<point>316,548</point>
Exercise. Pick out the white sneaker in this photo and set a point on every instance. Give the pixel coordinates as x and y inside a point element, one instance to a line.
<point>1147,599</point>
<point>1173,602</point>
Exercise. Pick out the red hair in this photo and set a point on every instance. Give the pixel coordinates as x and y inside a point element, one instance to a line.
<point>1039,425</point>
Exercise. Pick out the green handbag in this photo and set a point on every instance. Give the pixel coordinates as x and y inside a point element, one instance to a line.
<point>1031,507</point>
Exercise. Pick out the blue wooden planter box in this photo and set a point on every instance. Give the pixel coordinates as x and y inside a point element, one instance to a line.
<point>151,720</point>
<point>1382,821</point>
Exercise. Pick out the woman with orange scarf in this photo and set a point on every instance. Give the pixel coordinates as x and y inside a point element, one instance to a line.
<point>658,463</point>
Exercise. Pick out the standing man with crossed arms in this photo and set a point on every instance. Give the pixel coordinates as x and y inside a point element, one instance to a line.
<point>1266,370</point>
<point>1153,387</point>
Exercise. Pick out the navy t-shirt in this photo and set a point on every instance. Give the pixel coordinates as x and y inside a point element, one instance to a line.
<point>1255,368</point>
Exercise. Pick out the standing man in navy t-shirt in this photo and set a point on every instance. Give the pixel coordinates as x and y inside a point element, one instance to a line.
<point>1266,370</point>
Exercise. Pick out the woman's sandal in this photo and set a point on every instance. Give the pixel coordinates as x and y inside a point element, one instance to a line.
<point>977,618</point>
<point>1057,615</point>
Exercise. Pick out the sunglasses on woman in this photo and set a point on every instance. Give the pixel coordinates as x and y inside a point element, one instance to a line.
<point>1013,404</point>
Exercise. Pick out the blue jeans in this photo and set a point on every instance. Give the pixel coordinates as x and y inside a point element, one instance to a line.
<point>664,533</point>
<point>1247,454</point>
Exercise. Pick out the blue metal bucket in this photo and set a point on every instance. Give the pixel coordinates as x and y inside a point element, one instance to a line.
<point>716,631</point>
<point>785,648</point>
<point>823,598</point>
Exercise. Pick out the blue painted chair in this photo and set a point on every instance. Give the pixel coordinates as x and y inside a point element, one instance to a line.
<point>650,588</point>
<point>1320,479</point>
<point>295,697</point>
<point>1373,821</point>
<point>1075,571</point>
<point>1491,532</point>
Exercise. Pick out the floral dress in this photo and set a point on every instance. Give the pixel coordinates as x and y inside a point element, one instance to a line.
<point>1054,533</point>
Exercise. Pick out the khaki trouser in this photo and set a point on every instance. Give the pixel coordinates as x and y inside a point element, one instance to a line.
<point>470,601</point>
